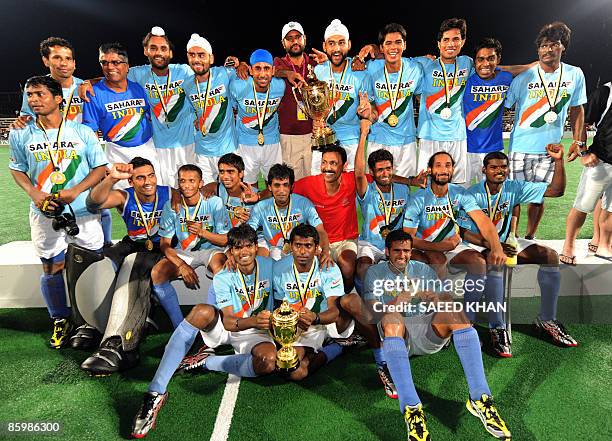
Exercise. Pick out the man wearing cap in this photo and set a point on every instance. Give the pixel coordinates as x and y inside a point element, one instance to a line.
<point>257,99</point>
<point>208,91</point>
<point>295,126</point>
<point>346,86</point>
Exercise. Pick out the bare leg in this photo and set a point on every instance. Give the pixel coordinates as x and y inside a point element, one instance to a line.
<point>596,223</point>
<point>264,358</point>
<point>605,234</point>
<point>534,216</point>
<point>575,221</point>
<point>347,262</point>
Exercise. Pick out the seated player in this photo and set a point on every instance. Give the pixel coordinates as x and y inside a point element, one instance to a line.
<point>278,215</point>
<point>140,206</point>
<point>423,334</point>
<point>497,196</point>
<point>241,319</point>
<point>55,161</point>
<point>313,290</point>
<point>200,225</point>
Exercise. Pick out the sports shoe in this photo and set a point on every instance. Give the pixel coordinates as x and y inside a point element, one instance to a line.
<point>385,378</point>
<point>61,330</point>
<point>354,339</point>
<point>485,410</point>
<point>86,337</point>
<point>555,331</point>
<point>147,414</point>
<point>500,341</point>
<point>416,423</point>
<point>110,358</point>
<point>195,360</point>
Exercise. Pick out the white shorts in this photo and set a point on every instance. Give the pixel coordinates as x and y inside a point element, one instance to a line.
<point>522,245</point>
<point>337,248</point>
<point>420,337</point>
<point>474,168</point>
<point>209,166</point>
<point>351,149</point>
<point>404,157</point>
<point>259,159</point>
<point>457,150</point>
<point>169,162</point>
<point>49,243</point>
<point>316,335</point>
<point>536,167</point>
<point>594,182</point>
<point>116,153</point>
<point>243,342</point>
<point>450,255</point>
<point>366,249</point>
<point>199,258</point>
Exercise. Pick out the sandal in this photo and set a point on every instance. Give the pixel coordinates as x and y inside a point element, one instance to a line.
<point>592,248</point>
<point>568,260</point>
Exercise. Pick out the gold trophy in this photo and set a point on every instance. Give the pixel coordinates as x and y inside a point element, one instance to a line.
<point>285,332</point>
<point>316,102</point>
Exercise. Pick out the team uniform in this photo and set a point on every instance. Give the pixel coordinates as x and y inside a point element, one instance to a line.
<point>75,111</point>
<point>433,218</point>
<point>231,203</point>
<point>213,110</point>
<point>531,133</point>
<point>172,121</point>
<point>263,217</point>
<point>257,158</point>
<point>125,122</point>
<point>229,291</point>
<point>323,284</point>
<point>343,118</point>
<point>371,243</point>
<point>436,133</point>
<point>483,109</point>
<point>76,155</point>
<point>401,139</point>
<point>195,251</point>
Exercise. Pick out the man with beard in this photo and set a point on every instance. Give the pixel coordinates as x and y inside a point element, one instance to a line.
<point>295,126</point>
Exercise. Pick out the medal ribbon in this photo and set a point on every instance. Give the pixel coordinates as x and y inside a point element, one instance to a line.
<point>261,116</point>
<point>393,96</point>
<point>382,198</point>
<point>303,289</point>
<point>333,84</point>
<point>556,89</point>
<point>249,299</point>
<point>159,94</point>
<point>197,208</point>
<point>282,225</point>
<point>142,216</point>
<point>450,213</point>
<point>447,92</point>
<point>494,210</point>
<point>197,83</point>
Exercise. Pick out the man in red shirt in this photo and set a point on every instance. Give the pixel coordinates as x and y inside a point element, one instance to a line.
<point>295,126</point>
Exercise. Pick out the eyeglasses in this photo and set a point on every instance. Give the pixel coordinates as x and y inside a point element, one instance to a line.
<point>113,63</point>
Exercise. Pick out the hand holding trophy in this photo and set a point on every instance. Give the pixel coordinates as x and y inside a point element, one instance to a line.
<point>285,331</point>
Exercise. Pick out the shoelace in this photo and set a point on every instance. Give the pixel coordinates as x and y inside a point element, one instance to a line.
<point>417,421</point>
<point>490,410</point>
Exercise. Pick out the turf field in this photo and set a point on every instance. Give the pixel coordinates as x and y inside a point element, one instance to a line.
<point>544,392</point>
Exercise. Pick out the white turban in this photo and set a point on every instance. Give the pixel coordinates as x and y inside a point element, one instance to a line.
<point>336,28</point>
<point>198,41</point>
<point>158,31</point>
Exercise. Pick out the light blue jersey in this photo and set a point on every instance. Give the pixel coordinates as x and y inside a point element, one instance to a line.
<point>343,117</point>
<point>264,217</point>
<point>434,99</point>
<point>410,84</point>
<point>531,133</point>
<point>229,289</point>
<point>210,214</point>
<point>431,215</point>
<point>247,126</point>
<point>513,193</point>
<point>373,214</point>
<point>78,152</point>
<point>324,283</point>
<point>172,122</point>
<point>231,203</point>
<point>214,112</point>
<point>75,111</point>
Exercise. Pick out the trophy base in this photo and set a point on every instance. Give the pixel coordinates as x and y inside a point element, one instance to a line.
<point>287,360</point>
<point>323,138</point>
<point>286,368</point>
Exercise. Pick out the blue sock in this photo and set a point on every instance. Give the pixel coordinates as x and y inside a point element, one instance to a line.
<point>358,285</point>
<point>54,293</point>
<point>398,363</point>
<point>379,356</point>
<point>239,364</point>
<point>331,351</point>
<point>107,225</point>
<point>549,279</point>
<point>467,346</point>
<point>180,341</point>
<point>475,284</point>
<point>169,301</point>
<point>494,294</point>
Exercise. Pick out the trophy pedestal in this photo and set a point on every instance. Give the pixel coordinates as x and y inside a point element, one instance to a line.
<point>287,360</point>
<point>323,137</point>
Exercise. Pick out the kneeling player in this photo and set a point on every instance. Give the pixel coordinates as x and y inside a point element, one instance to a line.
<point>244,303</point>
<point>424,334</point>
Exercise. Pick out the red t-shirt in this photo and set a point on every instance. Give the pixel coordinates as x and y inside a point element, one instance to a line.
<point>338,212</point>
<point>287,110</point>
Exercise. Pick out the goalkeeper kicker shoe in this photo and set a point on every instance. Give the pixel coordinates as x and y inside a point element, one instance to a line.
<point>86,337</point>
<point>61,331</point>
<point>110,358</point>
<point>487,413</point>
<point>147,414</point>
<point>415,423</point>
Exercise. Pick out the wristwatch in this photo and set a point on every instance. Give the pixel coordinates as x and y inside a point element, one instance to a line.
<point>582,153</point>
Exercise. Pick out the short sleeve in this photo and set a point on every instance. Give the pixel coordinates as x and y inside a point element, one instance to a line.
<point>223,294</point>
<point>369,290</point>
<point>25,107</point>
<point>513,91</point>
<point>166,222</point>
<point>531,192</point>
<point>219,216</point>
<point>413,211</point>
<point>17,159</point>
<point>418,88</point>
<point>90,118</point>
<point>332,282</point>
<point>579,97</point>
<point>468,202</point>
<point>310,214</point>
<point>255,217</point>
<point>94,153</point>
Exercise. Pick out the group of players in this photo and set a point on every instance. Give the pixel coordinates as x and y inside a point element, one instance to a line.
<point>185,144</point>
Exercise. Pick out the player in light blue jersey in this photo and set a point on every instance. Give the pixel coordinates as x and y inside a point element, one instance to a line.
<point>241,318</point>
<point>395,81</point>
<point>257,100</point>
<point>200,226</point>
<point>542,96</point>
<point>278,215</point>
<point>56,161</point>
<point>497,197</point>
<point>403,285</point>
<point>346,85</point>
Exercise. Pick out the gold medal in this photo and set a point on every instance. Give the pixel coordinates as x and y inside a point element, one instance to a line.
<point>260,138</point>
<point>393,120</point>
<point>286,248</point>
<point>149,245</point>
<point>145,221</point>
<point>261,114</point>
<point>384,232</point>
<point>447,113</point>
<point>239,211</point>
<point>202,122</point>
<point>57,177</point>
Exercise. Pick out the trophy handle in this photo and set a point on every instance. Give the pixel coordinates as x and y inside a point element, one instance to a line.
<point>297,101</point>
